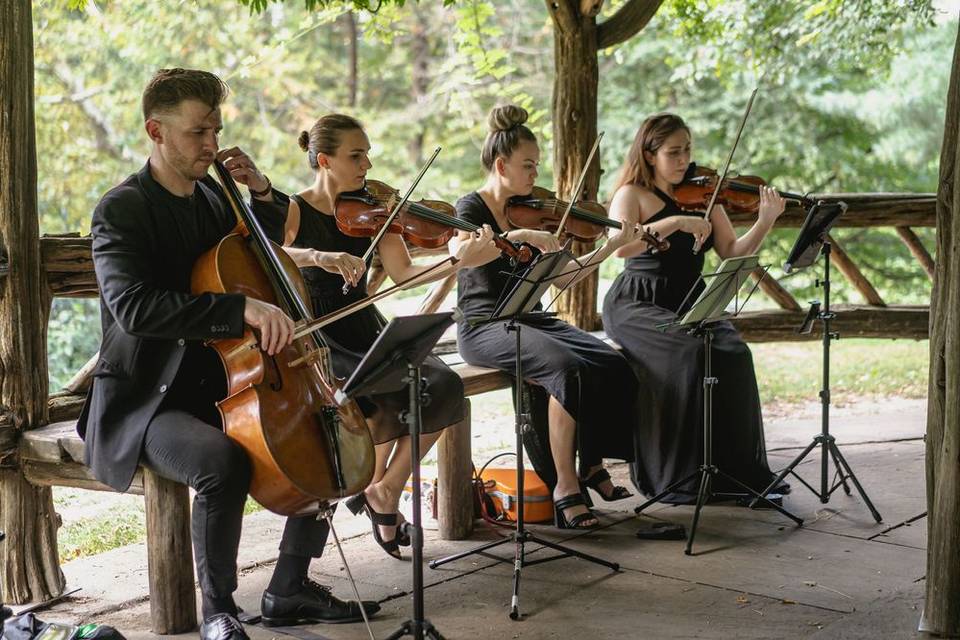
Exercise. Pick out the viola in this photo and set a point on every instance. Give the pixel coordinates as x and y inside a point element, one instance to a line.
<point>543,211</point>
<point>428,224</point>
<point>739,194</point>
<point>306,449</point>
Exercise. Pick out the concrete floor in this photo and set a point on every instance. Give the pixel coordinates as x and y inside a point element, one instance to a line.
<point>753,573</point>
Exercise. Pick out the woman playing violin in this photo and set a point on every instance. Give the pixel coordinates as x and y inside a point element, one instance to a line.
<point>337,150</point>
<point>591,387</point>
<point>652,290</point>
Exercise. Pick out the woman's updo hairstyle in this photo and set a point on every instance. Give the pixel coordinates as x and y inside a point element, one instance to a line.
<point>325,135</point>
<point>507,131</point>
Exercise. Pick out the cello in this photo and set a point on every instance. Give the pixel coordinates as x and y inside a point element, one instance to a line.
<point>305,449</point>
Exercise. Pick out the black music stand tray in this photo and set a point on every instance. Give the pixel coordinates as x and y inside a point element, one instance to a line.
<point>394,361</point>
<point>812,242</point>
<point>514,306</point>
<point>723,287</point>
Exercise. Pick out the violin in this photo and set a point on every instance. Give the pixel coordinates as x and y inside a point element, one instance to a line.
<point>428,224</point>
<point>306,449</point>
<point>543,211</point>
<point>739,194</point>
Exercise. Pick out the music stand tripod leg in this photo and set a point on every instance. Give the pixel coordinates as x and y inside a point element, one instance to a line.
<point>863,494</point>
<point>520,535</point>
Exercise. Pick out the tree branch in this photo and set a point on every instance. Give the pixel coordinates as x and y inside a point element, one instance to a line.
<point>627,22</point>
<point>80,96</point>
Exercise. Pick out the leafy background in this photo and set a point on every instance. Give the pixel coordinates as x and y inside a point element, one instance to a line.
<point>852,99</point>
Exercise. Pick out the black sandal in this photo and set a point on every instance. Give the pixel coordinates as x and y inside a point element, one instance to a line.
<point>576,522</point>
<point>599,477</point>
<point>355,505</point>
<point>392,547</point>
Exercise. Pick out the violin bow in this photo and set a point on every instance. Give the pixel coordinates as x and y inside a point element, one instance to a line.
<point>393,214</point>
<point>726,167</point>
<point>576,192</point>
<point>307,327</point>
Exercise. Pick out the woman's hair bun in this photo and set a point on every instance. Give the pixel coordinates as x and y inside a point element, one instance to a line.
<point>304,140</point>
<point>507,117</point>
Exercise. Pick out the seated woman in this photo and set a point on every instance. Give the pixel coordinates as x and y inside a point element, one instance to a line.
<point>651,291</point>
<point>337,150</point>
<point>592,388</point>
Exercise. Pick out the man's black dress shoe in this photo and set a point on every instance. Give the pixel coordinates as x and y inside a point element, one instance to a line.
<point>222,626</point>
<point>313,603</point>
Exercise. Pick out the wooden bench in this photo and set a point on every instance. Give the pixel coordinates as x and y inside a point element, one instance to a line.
<point>53,456</point>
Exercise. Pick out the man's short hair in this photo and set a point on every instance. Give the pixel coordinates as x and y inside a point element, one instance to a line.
<point>169,87</point>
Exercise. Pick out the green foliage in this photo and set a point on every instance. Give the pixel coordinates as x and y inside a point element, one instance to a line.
<point>791,372</point>
<point>843,107</point>
<point>89,536</point>
<point>73,336</point>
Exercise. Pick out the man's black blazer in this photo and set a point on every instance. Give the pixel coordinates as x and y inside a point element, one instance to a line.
<point>148,314</point>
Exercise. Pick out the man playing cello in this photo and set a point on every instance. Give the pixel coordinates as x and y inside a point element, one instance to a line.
<point>152,401</point>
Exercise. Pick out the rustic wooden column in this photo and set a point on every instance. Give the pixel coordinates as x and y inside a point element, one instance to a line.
<point>29,569</point>
<point>942,610</point>
<point>454,484</point>
<point>574,132</point>
<point>576,40</point>
<point>173,606</point>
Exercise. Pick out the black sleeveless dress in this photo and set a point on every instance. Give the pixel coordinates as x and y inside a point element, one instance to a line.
<point>592,381</point>
<point>350,337</point>
<point>653,290</point>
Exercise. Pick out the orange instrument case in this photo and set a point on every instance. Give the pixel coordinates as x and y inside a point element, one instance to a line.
<point>501,485</point>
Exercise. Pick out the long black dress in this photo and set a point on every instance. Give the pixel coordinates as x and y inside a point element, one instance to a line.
<point>350,337</point>
<point>653,290</point>
<point>593,382</point>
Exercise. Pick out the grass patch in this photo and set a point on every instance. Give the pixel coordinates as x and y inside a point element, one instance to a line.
<point>791,372</point>
<point>89,536</point>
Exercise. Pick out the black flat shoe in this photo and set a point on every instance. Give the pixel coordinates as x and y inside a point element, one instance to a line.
<point>576,522</point>
<point>355,505</point>
<point>222,626</point>
<point>596,479</point>
<point>313,603</point>
<point>392,547</point>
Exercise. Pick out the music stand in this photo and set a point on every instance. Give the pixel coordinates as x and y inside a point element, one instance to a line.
<point>394,361</point>
<point>722,287</point>
<point>515,305</point>
<point>812,242</point>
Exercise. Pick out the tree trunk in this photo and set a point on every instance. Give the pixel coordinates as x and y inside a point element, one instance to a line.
<point>574,132</point>
<point>942,611</point>
<point>29,569</point>
<point>350,21</point>
<point>419,83</point>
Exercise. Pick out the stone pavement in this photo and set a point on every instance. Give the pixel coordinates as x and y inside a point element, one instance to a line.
<point>753,573</point>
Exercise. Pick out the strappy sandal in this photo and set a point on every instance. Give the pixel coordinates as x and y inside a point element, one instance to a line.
<point>377,519</point>
<point>355,505</point>
<point>576,522</point>
<point>596,479</point>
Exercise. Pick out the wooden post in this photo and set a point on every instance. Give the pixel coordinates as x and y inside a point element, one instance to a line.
<point>29,568</point>
<point>173,607</point>
<point>574,132</point>
<point>850,270</point>
<point>454,484</point>
<point>941,613</point>
<point>917,249</point>
<point>769,285</point>
<point>576,39</point>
